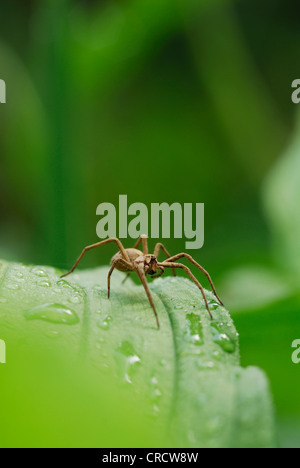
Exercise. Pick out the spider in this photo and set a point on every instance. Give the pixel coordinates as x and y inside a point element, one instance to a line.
<point>143,263</point>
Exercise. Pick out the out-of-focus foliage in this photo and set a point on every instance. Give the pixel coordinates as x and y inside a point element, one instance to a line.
<point>282,196</point>
<point>106,96</point>
<point>162,100</point>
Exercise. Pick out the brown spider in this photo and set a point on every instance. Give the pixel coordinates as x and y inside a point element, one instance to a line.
<point>143,263</point>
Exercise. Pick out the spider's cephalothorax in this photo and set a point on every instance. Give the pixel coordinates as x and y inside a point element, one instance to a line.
<point>136,258</point>
<point>143,263</point>
<point>149,263</point>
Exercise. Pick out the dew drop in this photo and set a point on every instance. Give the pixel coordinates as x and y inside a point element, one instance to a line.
<point>216,355</point>
<point>76,299</point>
<point>222,339</point>
<point>213,304</point>
<point>38,271</point>
<point>201,364</point>
<point>64,284</point>
<point>164,364</point>
<point>12,286</point>
<point>54,313</point>
<point>105,323</point>
<point>52,334</point>
<point>44,284</point>
<point>128,360</point>
<point>155,392</point>
<point>193,332</point>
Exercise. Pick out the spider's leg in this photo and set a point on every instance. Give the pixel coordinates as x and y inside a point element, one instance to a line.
<point>193,278</point>
<point>142,276</point>
<point>90,247</point>
<point>144,240</point>
<point>162,270</point>
<point>126,278</point>
<point>111,272</point>
<point>159,246</point>
<point>190,258</point>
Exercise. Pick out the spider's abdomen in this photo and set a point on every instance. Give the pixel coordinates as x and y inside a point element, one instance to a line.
<point>121,265</point>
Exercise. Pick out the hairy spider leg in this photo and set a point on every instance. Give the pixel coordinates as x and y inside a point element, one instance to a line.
<point>190,258</point>
<point>144,240</point>
<point>111,272</point>
<point>142,276</point>
<point>159,246</point>
<point>94,246</point>
<point>193,278</point>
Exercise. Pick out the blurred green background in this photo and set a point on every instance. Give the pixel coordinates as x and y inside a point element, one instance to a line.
<point>165,101</point>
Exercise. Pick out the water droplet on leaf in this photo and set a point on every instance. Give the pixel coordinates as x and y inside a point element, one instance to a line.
<point>12,286</point>
<point>52,334</point>
<point>193,332</point>
<point>213,304</point>
<point>128,360</point>
<point>44,284</point>
<point>222,339</point>
<point>54,313</point>
<point>105,323</point>
<point>38,271</point>
<point>202,364</point>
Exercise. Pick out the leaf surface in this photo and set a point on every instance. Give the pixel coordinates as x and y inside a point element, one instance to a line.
<point>129,382</point>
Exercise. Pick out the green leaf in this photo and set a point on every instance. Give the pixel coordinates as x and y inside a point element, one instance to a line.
<point>268,333</point>
<point>281,199</point>
<point>85,370</point>
<point>251,287</point>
